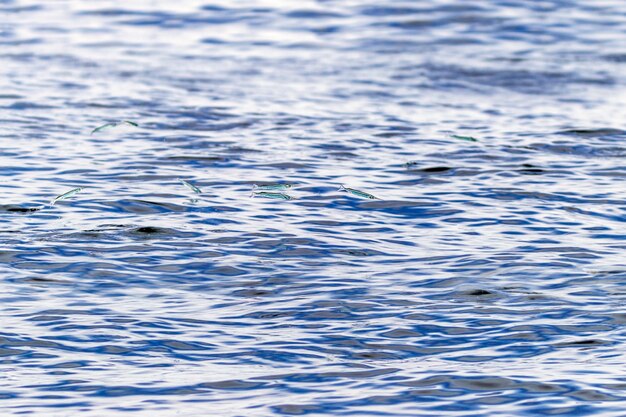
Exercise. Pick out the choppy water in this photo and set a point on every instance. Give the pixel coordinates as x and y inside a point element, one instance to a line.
<point>489,279</point>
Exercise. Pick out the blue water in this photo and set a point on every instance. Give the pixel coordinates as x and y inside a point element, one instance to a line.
<point>488,279</point>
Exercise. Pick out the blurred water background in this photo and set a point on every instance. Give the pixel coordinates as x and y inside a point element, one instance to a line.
<point>488,279</point>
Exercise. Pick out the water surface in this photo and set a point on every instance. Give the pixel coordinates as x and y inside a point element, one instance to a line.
<point>485,280</point>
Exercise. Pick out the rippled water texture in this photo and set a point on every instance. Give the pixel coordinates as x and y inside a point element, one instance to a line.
<point>485,279</point>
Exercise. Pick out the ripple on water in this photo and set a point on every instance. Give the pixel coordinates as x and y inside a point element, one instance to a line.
<point>485,280</point>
